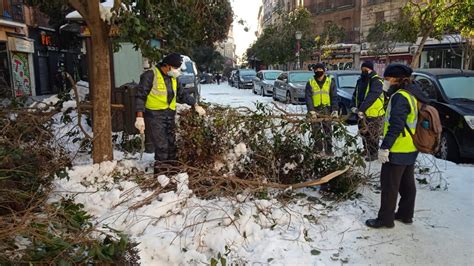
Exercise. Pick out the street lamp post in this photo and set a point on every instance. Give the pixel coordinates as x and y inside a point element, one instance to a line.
<point>298,35</point>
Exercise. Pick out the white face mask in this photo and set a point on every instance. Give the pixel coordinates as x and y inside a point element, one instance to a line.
<point>386,86</point>
<point>174,72</point>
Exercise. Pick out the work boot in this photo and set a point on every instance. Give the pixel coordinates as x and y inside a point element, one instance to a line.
<point>376,223</point>
<point>403,220</point>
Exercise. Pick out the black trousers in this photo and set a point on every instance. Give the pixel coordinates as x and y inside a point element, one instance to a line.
<point>162,133</point>
<point>370,138</point>
<point>397,179</point>
<point>322,134</point>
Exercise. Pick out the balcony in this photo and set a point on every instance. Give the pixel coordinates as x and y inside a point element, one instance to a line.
<point>375,2</point>
<point>331,6</point>
<point>11,10</point>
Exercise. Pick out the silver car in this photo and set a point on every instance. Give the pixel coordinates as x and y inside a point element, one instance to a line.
<point>290,86</point>
<point>263,83</point>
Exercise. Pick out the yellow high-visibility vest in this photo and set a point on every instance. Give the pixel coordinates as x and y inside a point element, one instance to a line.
<point>404,142</point>
<point>376,109</point>
<point>321,95</point>
<point>157,99</point>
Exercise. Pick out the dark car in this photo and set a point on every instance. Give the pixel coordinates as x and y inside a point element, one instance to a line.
<point>452,94</point>
<point>263,83</point>
<point>245,78</point>
<point>346,81</point>
<point>290,86</point>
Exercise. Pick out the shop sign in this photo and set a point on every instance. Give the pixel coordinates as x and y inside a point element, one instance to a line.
<point>21,74</point>
<point>20,45</point>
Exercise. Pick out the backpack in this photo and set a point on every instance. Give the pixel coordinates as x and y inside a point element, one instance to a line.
<point>427,136</point>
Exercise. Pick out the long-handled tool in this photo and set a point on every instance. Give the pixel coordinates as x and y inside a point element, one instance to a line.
<point>142,142</point>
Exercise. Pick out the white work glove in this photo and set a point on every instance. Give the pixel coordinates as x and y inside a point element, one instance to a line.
<point>383,156</point>
<point>140,124</point>
<point>360,115</point>
<point>354,110</point>
<point>334,114</point>
<point>200,110</point>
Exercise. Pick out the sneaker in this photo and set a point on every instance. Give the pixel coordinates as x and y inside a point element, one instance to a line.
<point>376,223</point>
<point>403,220</point>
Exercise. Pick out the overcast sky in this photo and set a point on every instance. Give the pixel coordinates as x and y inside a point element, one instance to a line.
<point>248,11</point>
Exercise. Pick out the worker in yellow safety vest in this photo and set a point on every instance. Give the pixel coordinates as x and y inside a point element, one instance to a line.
<point>156,98</point>
<point>321,98</point>
<point>368,104</point>
<point>397,152</point>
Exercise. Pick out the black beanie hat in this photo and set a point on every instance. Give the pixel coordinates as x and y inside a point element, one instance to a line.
<point>397,70</point>
<point>319,65</point>
<point>368,64</point>
<point>175,60</point>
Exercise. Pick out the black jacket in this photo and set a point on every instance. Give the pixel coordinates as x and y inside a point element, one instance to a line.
<point>400,108</point>
<point>146,84</point>
<point>375,90</point>
<point>332,95</point>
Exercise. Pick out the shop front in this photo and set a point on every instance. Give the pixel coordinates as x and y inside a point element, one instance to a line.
<point>55,54</point>
<point>340,56</point>
<point>441,56</point>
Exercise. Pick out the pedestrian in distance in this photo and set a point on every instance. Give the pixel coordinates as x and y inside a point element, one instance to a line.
<point>397,152</point>
<point>368,105</point>
<point>321,98</point>
<point>156,98</point>
<point>218,78</point>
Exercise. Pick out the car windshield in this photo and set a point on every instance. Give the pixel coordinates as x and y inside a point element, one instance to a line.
<point>271,75</point>
<point>347,83</point>
<point>247,73</point>
<point>458,87</point>
<point>189,68</point>
<point>300,76</point>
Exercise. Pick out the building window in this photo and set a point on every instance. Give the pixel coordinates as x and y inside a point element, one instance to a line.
<point>379,17</point>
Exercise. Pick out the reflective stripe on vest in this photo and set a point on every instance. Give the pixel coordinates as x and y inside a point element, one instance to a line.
<point>404,142</point>
<point>321,95</point>
<point>376,109</point>
<point>157,99</point>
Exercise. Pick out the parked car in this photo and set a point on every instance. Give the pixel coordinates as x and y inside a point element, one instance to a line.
<point>346,81</point>
<point>452,94</point>
<point>263,83</point>
<point>245,78</point>
<point>232,78</point>
<point>189,78</point>
<point>206,78</point>
<point>290,86</point>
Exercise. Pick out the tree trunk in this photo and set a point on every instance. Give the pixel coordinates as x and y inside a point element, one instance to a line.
<point>468,53</point>
<point>102,122</point>
<point>416,58</point>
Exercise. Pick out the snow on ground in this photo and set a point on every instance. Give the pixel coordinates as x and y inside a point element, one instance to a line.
<point>180,229</point>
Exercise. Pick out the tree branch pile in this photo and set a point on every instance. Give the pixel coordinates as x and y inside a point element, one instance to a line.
<point>231,150</point>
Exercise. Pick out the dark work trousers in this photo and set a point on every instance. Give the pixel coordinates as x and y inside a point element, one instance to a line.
<point>397,179</point>
<point>371,135</point>
<point>162,132</point>
<point>322,134</point>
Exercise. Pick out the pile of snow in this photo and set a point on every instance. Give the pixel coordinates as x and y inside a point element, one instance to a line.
<point>178,228</point>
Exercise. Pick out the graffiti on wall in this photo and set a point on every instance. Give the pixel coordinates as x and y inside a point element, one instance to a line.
<point>21,74</point>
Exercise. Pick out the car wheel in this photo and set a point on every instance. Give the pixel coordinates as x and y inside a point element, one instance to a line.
<point>448,149</point>
<point>288,97</point>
